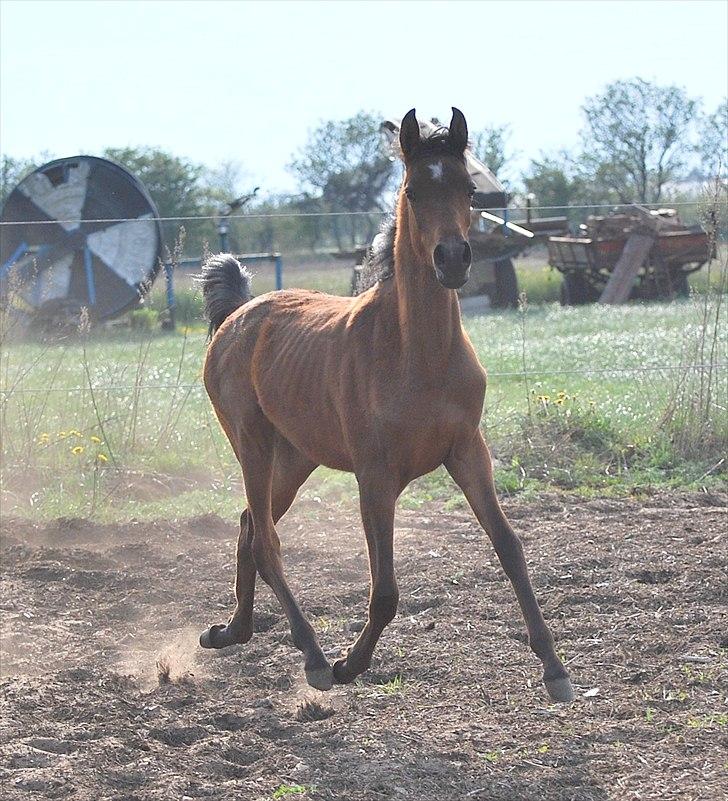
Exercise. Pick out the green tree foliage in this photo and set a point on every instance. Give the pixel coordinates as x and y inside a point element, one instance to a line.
<point>174,183</point>
<point>12,171</point>
<point>713,142</point>
<point>637,138</point>
<point>178,189</point>
<point>491,145</point>
<point>560,182</point>
<point>345,165</point>
<point>551,179</point>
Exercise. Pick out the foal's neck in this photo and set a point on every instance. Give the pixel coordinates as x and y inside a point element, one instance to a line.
<point>429,314</point>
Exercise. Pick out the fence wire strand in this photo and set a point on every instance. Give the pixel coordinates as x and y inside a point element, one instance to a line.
<point>290,214</point>
<point>500,374</point>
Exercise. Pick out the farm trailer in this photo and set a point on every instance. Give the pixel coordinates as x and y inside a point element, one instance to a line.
<point>635,253</point>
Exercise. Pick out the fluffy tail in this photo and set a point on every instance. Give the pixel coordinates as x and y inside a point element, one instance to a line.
<point>225,287</point>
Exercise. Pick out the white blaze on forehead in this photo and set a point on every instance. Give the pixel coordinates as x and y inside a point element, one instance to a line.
<point>437,170</point>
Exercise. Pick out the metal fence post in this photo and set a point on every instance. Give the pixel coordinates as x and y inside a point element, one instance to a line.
<point>169,323</point>
<point>279,270</point>
<point>89,267</point>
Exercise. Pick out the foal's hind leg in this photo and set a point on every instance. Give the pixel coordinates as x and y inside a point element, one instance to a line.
<point>471,467</point>
<point>257,462</point>
<point>239,629</point>
<point>290,470</point>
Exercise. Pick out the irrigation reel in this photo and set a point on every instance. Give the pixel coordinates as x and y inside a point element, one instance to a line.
<point>77,233</point>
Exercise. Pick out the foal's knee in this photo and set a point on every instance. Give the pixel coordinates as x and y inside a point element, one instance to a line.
<point>383,607</point>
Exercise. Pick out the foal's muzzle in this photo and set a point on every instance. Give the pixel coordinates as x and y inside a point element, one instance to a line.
<point>452,258</point>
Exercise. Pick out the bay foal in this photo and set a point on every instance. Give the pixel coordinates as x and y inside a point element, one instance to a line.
<point>385,385</point>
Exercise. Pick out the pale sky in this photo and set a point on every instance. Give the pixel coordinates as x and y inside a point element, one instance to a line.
<point>246,81</point>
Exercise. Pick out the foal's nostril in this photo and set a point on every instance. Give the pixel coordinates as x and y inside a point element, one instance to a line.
<point>467,255</point>
<point>438,256</point>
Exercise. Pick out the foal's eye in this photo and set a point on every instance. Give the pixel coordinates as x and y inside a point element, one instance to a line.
<point>410,194</point>
<point>471,192</point>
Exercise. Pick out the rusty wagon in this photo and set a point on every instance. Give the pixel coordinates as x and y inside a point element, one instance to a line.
<point>598,265</point>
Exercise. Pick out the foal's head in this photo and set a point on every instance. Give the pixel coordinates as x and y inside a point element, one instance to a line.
<point>438,190</point>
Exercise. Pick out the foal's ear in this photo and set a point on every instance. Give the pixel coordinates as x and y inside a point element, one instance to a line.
<point>409,133</point>
<point>458,131</point>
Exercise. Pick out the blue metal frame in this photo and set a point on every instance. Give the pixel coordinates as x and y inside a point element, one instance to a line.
<point>90,281</point>
<point>18,253</point>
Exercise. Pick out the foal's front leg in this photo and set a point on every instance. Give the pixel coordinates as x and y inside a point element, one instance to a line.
<point>471,467</point>
<point>377,511</point>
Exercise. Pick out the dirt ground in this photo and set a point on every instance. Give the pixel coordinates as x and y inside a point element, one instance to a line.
<point>106,694</point>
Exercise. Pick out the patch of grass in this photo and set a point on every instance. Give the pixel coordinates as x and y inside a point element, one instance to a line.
<point>285,790</point>
<point>541,283</point>
<point>568,443</point>
<point>392,687</point>
<point>707,721</point>
<point>166,455</point>
<point>144,319</point>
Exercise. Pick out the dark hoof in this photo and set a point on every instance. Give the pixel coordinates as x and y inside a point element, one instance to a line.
<point>341,673</point>
<point>220,636</point>
<point>320,678</point>
<point>560,689</point>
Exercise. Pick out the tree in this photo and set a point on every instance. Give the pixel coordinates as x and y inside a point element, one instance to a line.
<point>345,164</point>
<point>178,190</point>
<point>713,142</point>
<point>12,172</point>
<point>551,180</point>
<point>637,137</point>
<point>490,145</point>
<point>562,181</point>
<point>173,182</point>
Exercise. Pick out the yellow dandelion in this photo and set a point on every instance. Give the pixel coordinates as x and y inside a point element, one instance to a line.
<point>63,434</point>
<point>543,398</point>
<point>75,433</point>
<point>96,440</point>
<point>102,457</point>
<point>78,450</point>
<point>559,401</point>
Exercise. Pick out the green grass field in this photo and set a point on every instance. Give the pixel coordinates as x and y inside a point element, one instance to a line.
<point>586,413</point>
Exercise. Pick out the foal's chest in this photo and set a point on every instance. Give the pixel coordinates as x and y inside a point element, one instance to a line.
<point>418,428</point>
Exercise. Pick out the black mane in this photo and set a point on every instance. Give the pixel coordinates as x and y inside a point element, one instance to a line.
<point>378,264</point>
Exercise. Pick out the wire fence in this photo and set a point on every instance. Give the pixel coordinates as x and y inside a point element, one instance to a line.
<point>708,203</point>
<point>491,374</point>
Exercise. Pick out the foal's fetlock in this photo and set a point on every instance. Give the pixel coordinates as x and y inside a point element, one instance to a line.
<point>342,674</point>
<point>222,636</point>
<point>345,671</point>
